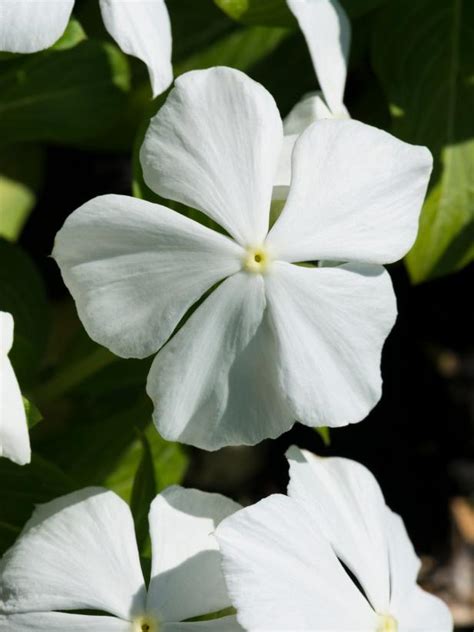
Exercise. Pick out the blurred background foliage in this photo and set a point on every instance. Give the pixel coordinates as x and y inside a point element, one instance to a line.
<point>72,119</point>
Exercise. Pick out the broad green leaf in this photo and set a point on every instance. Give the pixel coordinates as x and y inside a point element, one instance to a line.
<point>143,492</point>
<point>64,96</point>
<point>429,81</point>
<point>21,174</point>
<point>22,293</point>
<point>24,487</point>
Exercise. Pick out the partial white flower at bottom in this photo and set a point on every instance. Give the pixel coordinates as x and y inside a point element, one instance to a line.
<point>282,557</point>
<point>79,553</point>
<point>14,438</point>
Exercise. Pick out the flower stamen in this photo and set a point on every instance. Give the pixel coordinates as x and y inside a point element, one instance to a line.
<point>256,260</point>
<point>145,624</point>
<point>387,623</point>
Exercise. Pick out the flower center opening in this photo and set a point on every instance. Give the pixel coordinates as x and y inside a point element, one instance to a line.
<point>256,260</point>
<point>145,624</point>
<point>387,623</point>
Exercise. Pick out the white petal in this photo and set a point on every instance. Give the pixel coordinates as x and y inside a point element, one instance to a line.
<point>223,624</point>
<point>134,268</point>
<point>142,28</point>
<point>347,504</point>
<point>310,109</point>
<point>327,31</point>
<point>77,552</point>
<point>330,324</point>
<point>27,26</point>
<point>214,383</point>
<point>60,622</point>
<point>14,438</point>
<point>356,195</point>
<point>422,612</point>
<point>283,575</point>
<point>281,186</point>
<point>186,576</point>
<point>214,146</point>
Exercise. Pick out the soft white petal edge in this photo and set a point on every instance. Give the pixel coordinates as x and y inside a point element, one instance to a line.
<point>347,504</point>
<point>214,384</point>
<point>61,622</point>
<point>214,146</point>
<point>28,26</point>
<point>134,268</point>
<point>14,437</point>
<point>142,28</point>
<point>327,31</point>
<point>76,552</point>
<point>329,326</point>
<point>282,574</point>
<point>423,612</point>
<point>186,576</point>
<point>356,195</point>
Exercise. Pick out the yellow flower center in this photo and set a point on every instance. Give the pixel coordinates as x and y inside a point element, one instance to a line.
<point>145,624</point>
<point>257,260</point>
<point>387,623</point>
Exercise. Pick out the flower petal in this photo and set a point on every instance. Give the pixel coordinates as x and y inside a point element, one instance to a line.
<point>222,624</point>
<point>27,27</point>
<point>134,268</point>
<point>356,195</point>
<point>347,504</point>
<point>214,383</point>
<point>14,438</point>
<point>77,552</point>
<point>142,28</point>
<point>214,146</point>
<point>283,575</point>
<point>61,622</point>
<point>423,612</point>
<point>327,31</point>
<point>186,576</point>
<point>330,325</point>
<point>310,109</point>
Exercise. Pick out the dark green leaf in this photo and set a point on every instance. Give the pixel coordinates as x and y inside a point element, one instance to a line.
<point>73,35</point>
<point>430,85</point>
<point>33,415</point>
<point>264,12</point>
<point>143,492</point>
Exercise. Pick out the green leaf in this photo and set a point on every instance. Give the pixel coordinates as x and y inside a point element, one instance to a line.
<point>22,293</point>
<point>264,12</point>
<point>64,96</point>
<point>33,415</point>
<point>25,487</point>
<point>325,435</point>
<point>21,174</point>
<point>143,492</point>
<point>73,35</point>
<point>429,82</point>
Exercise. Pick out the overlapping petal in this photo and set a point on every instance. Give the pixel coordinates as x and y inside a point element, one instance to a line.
<point>143,29</point>
<point>330,325</point>
<point>186,576</point>
<point>14,438</point>
<point>214,383</point>
<point>134,268</point>
<point>214,146</point>
<point>77,552</point>
<point>61,622</point>
<point>422,612</point>
<point>327,31</point>
<point>356,195</point>
<point>347,505</point>
<point>27,26</point>
<point>283,575</point>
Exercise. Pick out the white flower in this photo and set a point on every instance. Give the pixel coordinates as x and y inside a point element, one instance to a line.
<point>140,27</point>
<point>327,31</point>
<point>276,341</point>
<point>79,552</point>
<point>282,557</point>
<point>14,438</point>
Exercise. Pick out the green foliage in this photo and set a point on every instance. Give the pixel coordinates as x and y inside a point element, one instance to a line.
<point>33,414</point>
<point>21,173</point>
<point>423,54</point>
<point>143,492</point>
<point>22,293</point>
<point>264,12</point>
<point>64,95</point>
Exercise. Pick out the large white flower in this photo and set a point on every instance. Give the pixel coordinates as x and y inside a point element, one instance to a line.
<point>285,558</point>
<point>276,341</point>
<point>14,438</point>
<point>140,27</point>
<point>327,31</point>
<point>79,553</point>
